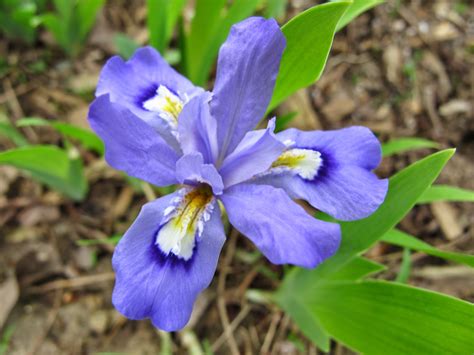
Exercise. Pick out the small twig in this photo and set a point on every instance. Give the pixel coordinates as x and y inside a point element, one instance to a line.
<point>221,303</point>
<point>271,333</point>
<point>284,324</point>
<point>49,323</point>
<point>233,325</point>
<point>148,191</point>
<point>16,108</point>
<point>72,283</point>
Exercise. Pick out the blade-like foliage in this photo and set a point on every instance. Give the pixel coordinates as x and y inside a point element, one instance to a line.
<point>87,138</point>
<point>404,190</point>
<point>209,29</point>
<point>9,131</point>
<point>71,22</point>
<point>357,268</point>
<point>308,41</point>
<point>161,20</point>
<point>405,240</point>
<point>401,145</point>
<point>446,193</point>
<point>51,166</point>
<point>376,317</point>
<point>357,7</point>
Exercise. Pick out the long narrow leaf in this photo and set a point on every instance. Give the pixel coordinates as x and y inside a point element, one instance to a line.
<point>308,41</point>
<point>446,193</point>
<point>51,166</point>
<point>157,18</point>
<point>9,131</point>
<point>376,317</point>
<point>401,145</point>
<point>397,237</point>
<point>404,190</point>
<point>357,7</point>
<point>87,138</point>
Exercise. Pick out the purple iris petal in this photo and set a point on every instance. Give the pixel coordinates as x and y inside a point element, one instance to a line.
<point>160,128</point>
<point>134,82</point>
<point>246,73</point>
<point>344,186</point>
<point>163,288</point>
<point>197,128</point>
<point>191,170</point>
<point>280,228</point>
<point>131,145</point>
<point>254,154</point>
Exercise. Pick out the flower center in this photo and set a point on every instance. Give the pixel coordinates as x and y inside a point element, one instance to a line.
<point>185,221</point>
<point>303,162</point>
<point>167,104</point>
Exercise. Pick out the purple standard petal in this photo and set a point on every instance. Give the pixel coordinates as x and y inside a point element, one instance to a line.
<point>197,128</point>
<point>131,145</point>
<point>191,170</point>
<point>147,85</point>
<point>343,185</point>
<point>280,228</point>
<point>246,72</point>
<point>150,284</point>
<point>254,154</point>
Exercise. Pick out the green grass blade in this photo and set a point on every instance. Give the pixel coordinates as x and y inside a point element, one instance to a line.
<point>309,38</point>
<point>51,166</point>
<point>404,240</point>
<point>356,8</point>
<point>401,145</point>
<point>446,193</point>
<point>374,317</point>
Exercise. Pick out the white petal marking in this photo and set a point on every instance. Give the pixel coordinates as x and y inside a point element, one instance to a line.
<point>184,222</point>
<point>167,104</point>
<point>303,162</point>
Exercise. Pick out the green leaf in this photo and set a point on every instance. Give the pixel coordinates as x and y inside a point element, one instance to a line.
<point>125,45</point>
<point>90,242</point>
<point>87,12</point>
<point>357,8</point>
<point>357,268</point>
<point>404,190</point>
<point>283,121</point>
<point>161,20</point>
<point>87,138</point>
<point>308,323</point>
<point>18,20</point>
<point>209,29</point>
<point>51,166</point>
<point>275,8</point>
<point>156,22</point>
<point>401,145</point>
<point>203,26</point>
<point>375,317</point>
<point>405,267</point>
<point>308,41</point>
<point>6,338</point>
<point>9,131</point>
<point>397,237</point>
<point>55,26</point>
<point>175,8</point>
<point>446,193</point>
<point>287,296</point>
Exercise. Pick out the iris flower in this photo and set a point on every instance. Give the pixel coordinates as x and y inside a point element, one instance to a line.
<point>157,126</point>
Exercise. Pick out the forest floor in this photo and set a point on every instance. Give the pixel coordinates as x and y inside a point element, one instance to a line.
<point>404,69</point>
